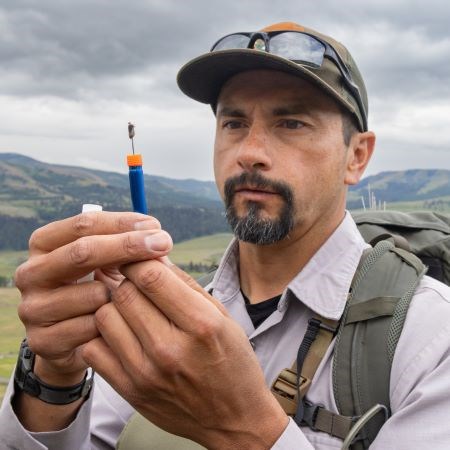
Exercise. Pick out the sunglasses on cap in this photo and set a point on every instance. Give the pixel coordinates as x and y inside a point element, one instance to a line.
<point>296,46</point>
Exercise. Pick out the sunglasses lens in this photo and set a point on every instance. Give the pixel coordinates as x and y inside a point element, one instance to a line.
<point>232,41</point>
<point>298,47</point>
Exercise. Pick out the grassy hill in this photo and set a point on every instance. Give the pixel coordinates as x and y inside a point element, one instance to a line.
<point>9,260</point>
<point>405,190</point>
<point>33,193</point>
<point>11,334</point>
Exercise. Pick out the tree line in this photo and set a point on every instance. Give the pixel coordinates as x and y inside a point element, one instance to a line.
<point>182,223</point>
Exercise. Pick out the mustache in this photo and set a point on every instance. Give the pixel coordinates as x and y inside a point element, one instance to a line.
<point>256,181</point>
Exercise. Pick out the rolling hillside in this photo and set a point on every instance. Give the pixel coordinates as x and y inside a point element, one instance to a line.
<point>33,193</point>
<point>429,187</point>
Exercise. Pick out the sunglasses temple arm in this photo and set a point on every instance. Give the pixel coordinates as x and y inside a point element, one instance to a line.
<point>334,56</point>
<point>357,96</point>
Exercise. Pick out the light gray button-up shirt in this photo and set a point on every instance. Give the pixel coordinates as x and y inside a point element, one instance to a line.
<point>420,376</point>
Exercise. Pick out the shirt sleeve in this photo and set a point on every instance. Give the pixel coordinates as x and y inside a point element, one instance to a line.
<point>292,439</point>
<point>420,381</point>
<point>14,436</point>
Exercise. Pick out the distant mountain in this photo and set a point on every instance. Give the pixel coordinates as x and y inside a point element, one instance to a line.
<point>33,193</point>
<point>427,185</point>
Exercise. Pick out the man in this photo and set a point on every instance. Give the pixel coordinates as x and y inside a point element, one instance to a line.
<point>291,136</point>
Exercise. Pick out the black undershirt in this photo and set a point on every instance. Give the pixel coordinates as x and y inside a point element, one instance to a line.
<point>259,312</point>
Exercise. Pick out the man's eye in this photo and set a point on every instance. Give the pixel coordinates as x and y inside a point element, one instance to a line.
<point>292,124</point>
<point>232,124</point>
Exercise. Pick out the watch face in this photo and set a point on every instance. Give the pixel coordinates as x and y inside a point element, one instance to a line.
<point>27,358</point>
<point>21,369</point>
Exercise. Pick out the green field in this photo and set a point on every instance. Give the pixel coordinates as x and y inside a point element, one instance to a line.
<point>11,329</point>
<point>9,260</point>
<point>11,333</point>
<point>205,250</point>
<point>441,205</point>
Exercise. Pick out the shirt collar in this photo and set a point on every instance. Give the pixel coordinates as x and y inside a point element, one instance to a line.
<point>225,283</point>
<point>322,285</point>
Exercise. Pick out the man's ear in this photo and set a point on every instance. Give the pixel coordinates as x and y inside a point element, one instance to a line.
<point>358,156</point>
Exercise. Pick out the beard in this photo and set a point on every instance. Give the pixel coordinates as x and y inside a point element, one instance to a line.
<point>252,227</point>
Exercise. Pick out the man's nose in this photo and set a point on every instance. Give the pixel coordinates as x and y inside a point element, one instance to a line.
<point>253,152</point>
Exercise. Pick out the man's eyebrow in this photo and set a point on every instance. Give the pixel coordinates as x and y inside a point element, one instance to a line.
<point>230,112</point>
<point>295,108</point>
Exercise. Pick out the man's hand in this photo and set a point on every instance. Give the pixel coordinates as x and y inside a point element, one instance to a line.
<point>58,313</point>
<point>174,353</point>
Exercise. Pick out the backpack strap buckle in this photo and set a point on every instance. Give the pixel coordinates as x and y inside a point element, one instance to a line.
<point>316,417</point>
<point>286,391</point>
<point>292,384</point>
<point>310,412</point>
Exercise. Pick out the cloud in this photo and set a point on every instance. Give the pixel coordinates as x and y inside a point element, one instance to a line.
<point>69,48</point>
<point>74,72</point>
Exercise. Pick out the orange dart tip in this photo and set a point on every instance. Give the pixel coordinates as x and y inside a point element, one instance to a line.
<point>134,160</point>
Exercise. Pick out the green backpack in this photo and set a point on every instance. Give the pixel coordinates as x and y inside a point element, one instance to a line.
<point>405,246</point>
<point>427,235</point>
<point>368,333</point>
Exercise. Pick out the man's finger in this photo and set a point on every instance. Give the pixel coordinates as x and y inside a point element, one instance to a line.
<point>75,260</point>
<point>63,303</point>
<point>149,324</point>
<point>191,282</point>
<point>119,336</point>
<point>184,276</point>
<point>186,307</point>
<point>98,355</point>
<point>59,233</point>
<point>59,340</point>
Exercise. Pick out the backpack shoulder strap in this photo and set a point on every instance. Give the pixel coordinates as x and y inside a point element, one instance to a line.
<point>370,328</point>
<point>291,385</point>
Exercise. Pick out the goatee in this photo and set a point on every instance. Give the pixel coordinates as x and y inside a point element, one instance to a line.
<point>252,227</point>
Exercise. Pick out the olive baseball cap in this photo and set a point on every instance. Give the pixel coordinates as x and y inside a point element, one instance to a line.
<point>202,78</point>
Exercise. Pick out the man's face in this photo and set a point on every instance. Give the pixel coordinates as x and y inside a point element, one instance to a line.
<point>280,158</point>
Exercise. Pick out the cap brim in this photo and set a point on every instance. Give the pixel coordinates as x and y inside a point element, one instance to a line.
<point>203,77</point>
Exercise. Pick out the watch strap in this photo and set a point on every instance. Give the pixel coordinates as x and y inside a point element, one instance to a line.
<point>27,381</point>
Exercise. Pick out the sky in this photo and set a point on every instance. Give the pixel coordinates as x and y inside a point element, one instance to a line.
<point>74,72</point>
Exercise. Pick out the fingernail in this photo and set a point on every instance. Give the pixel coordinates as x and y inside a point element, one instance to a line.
<point>158,242</point>
<point>149,224</point>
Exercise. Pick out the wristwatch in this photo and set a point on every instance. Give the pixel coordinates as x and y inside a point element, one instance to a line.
<point>26,381</point>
